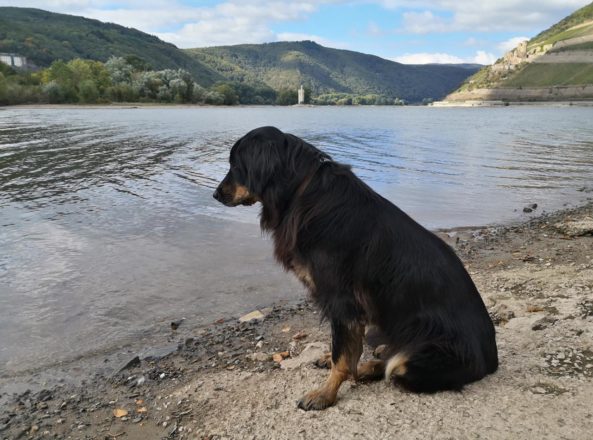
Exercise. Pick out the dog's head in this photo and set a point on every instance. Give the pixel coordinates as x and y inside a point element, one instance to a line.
<point>267,165</point>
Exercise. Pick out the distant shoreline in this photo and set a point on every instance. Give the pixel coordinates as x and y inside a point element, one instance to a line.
<point>441,104</point>
<point>437,104</point>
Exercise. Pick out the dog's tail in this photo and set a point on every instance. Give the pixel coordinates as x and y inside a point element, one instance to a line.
<point>396,366</point>
<point>428,369</point>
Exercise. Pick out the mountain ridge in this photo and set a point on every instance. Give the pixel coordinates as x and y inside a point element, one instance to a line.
<point>327,70</point>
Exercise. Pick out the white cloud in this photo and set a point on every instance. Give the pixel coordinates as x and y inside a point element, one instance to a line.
<point>374,29</point>
<point>511,43</point>
<point>236,21</point>
<point>480,15</point>
<point>481,57</point>
<point>428,58</point>
<point>228,22</point>
<point>423,23</point>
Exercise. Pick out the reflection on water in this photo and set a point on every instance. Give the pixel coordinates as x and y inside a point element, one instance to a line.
<point>108,227</point>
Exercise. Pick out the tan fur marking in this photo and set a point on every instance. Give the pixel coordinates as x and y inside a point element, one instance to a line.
<point>326,395</point>
<point>303,274</point>
<point>396,366</point>
<point>371,370</point>
<point>242,195</point>
<point>324,361</point>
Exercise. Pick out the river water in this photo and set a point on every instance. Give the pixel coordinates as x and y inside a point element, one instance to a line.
<point>108,229</point>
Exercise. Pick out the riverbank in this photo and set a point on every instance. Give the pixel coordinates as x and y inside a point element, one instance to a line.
<point>506,103</point>
<point>241,380</point>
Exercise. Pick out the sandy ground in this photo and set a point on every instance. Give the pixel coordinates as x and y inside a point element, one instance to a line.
<point>222,382</point>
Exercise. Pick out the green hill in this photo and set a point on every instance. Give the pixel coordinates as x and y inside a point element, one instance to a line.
<point>556,64</point>
<point>325,70</point>
<point>44,37</point>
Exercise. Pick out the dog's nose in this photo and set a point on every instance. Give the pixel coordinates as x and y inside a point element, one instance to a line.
<point>216,195</point>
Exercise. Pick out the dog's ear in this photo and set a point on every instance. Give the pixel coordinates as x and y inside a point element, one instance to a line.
<point>264,162</point>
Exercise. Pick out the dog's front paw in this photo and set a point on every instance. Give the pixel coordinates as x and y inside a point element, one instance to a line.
<point>316,400</point>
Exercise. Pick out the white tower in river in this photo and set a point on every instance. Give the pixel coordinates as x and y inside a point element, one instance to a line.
<point>301,95</point>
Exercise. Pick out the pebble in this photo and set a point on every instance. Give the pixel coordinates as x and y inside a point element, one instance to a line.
<point>253,316</point>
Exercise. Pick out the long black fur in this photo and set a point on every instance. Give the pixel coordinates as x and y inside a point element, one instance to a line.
<point>369,262</point>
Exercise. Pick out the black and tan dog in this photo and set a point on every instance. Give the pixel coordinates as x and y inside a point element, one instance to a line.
<point>365,263</point>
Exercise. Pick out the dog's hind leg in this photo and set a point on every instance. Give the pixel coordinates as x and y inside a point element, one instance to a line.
<point>324,361</point>
<point>346,351</point>
<point>371,370</point>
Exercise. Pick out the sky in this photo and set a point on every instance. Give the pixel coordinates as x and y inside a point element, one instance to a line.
<point>406,31</point>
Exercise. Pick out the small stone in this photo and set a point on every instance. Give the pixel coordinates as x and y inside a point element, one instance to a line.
<point>543,323</point>
<point>120,412</point>
<point>175,324</point>
<point>256,315</point>
<point>134,362</point>
<point>310,354</point>
<point>576,228</point>
<point>259,357</point>
<point>299,335</point>
<point>260,344</point>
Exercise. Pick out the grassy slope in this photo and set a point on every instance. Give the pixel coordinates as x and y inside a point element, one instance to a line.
<point>44,36</point>
<point>544,75</point>
<point>551,34</point>
<point>325,70</point>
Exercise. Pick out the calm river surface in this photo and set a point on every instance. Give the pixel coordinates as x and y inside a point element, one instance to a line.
<point>108,229</point>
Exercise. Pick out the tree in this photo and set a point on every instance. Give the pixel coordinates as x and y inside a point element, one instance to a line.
<point>228,93</point>
<point>287,97</point>
<point>120,71</point>
<point>60,83</point>
<point>88,92</point>
<point>3,89</point>
<point>213,98</point>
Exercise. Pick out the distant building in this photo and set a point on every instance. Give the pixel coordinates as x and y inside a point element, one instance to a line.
<point>301,95</point>
<point>13,60</point>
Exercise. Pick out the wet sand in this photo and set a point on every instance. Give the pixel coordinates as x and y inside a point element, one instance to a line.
<point>226,381</point>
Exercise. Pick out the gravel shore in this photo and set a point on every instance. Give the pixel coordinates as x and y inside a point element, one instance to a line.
<point>241,380</point>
